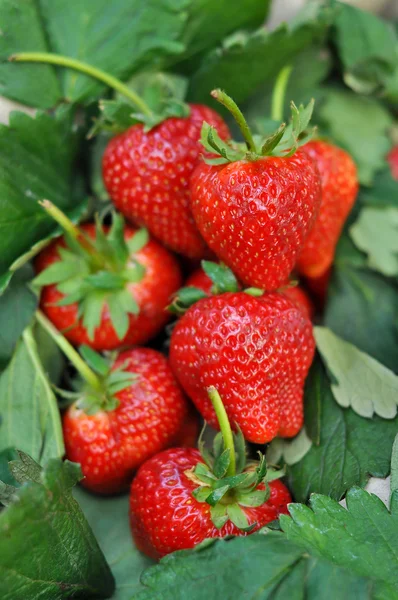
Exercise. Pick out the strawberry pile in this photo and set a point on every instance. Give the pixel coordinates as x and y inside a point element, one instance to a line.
<point>266,211</point>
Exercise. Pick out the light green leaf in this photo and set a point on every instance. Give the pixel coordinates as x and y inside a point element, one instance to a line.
<point>363,538</point>
<point>375,232</point>
<point>291,451</point>
<point>28,407</point>
<point>46,530</point>
<point>394,466</point>
<point>358,380</point>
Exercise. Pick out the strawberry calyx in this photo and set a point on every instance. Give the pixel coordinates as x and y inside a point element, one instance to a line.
<point>223,280</point>
<point>283,142</point>
<point>226,481</point>
<point>97,385</point>
<point>94,272</point>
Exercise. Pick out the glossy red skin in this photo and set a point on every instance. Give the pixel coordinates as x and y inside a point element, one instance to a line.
<point>200,280</point>
<point>147,176</point>
<point>393,162</point>
<point>165,517</point>
<point>161,280</point>
<point>257,215</point>
<point>110,446</point>
<point>255,351</point>
<point>339,191</point>
<point>301,298</point>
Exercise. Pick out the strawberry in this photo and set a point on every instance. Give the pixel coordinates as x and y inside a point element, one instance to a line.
<point>189,432</point>
<point>112,294</point>
<point>393,161</point>
<point>137,410</point>
<point>301,299</point>
<point>147,176</point>
<point>201,281</point>
<point>182,496</point>
<point>339,190</point>
<point>256,351</point>
<point>256,205</point>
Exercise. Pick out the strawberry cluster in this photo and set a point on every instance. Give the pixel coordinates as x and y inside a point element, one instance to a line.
<point>268,209</point>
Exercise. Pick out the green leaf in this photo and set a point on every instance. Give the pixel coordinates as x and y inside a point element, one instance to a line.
<point>28,405</point>
<point>24,468</point>
<point>17,306</point>
<point>367,47</point>
<point>36,160</point>
<point>257,566</point>
<point>363,538</point>
<point>362,309</point>
<point>108,518</point>
<point>48,521</point>
<point>291,451</point>
<point>383,193</point>
<point>219,68</point>
<point>33,84</point>
<point>394,466</point>
<point>351,448</point>
<point>376,233</point>
<point>342,116</point>
<point>95,360</point>
<point>223,278</point>
<point>358,380</point>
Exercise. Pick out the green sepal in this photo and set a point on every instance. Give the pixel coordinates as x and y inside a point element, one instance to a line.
<point>219,515</point>
<point>273,474</point>
<point>97,362</point>
<point>222,277</point>
<point>283,142</point>
<point>218,445</point>
<point>238,518</point>
<point>205,454</point>
<point>138,241</point>
<point>255,498</point>
<point>203,473</point>
<point>185,298</point>
<point>215,496</point>
<point>221,464</point>
<point>240,450</point>
<point>255,292</point>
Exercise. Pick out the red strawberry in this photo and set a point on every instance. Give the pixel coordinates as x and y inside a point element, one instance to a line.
<point>112,443</point>
<point>189,432</point>
<point>142,286</point>
<point>339,190</point>
<point>301,299</point>
<point>256,351</point>
<point>147,176</point>
<point>166,517</point>
<point>200,280</point>
<point>255,205</point>
<point>393,161</point>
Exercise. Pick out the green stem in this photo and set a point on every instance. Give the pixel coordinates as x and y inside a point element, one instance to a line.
<point>237,114</point>
<point>82,67</point>
<point>279,93</point>
<point>225,428</point>
<point>88,375</point>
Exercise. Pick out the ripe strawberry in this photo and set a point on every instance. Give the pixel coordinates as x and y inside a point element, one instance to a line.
<point>301,299</point>
<point>181,496</point>
<point>201,281</point>
<point>147,175</point>
<point>256,212</point>
<point>149,412</point>
<point>339,190</point>
<point>393,161</point>
<point>256,351</point>
<point>111,305</point>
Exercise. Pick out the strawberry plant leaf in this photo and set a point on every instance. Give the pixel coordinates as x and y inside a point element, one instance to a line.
<point>362,538</point>
<point>342,114</point>
<point>219,67</point>
<point>375,232</point>
<point>362,309</point>
<point>291,451</point>
<point>108,518</point>
<point>367,47</point>
<point>383,193</point>
<point>36,160</point>
<point>394,466</point>
<point>257,566</point>
<point>357,380</point>
<point>17,306</point>
<point>28,404</point>
<point>50,522</point>
<point>350,450</point>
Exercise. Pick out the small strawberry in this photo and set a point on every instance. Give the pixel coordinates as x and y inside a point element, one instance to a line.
<point>106,287</point>
<point>339,183</point>
<point>182,496</point>
<point>256,205</point>
<point>393,161</point>
<point>256,351</point>
<point>147,175</point>
<point>122,415</point>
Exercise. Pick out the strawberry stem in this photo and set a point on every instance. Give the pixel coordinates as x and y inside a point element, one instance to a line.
<point>225,428</point>
<point>88,375</point>
<point>279,93</point>
<point>237,114</point>
<point>82,67</point>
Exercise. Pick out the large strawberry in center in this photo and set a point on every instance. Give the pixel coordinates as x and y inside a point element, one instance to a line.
<point>256,205</point>
<point>256,351</point>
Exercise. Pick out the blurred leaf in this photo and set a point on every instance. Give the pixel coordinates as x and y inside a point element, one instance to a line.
<point>383,192</point>
<point>342,116</point>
